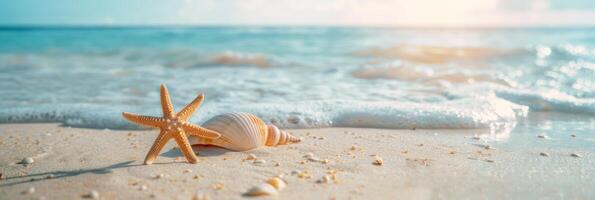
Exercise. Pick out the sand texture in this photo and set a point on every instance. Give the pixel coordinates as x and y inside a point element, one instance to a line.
<point>417,164</point>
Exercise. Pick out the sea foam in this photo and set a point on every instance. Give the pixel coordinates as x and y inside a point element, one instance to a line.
<point>462,113</point>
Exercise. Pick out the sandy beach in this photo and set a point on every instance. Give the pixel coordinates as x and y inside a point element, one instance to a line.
<point>308,100</point>
<point>69,163</point>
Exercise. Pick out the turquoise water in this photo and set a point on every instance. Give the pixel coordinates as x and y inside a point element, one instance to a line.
<point>301,77</point>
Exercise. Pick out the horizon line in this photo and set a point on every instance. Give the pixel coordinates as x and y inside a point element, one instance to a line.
<point>158,26</point>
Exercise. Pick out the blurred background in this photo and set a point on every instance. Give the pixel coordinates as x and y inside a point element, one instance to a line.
<point>401,13</point>
<point>303,64</point>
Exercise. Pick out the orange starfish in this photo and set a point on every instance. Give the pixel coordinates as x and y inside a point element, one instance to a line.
<point>173,125</point>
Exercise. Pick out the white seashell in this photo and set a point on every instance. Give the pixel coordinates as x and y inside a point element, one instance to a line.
<point>262,189</point>
<point>242,132</point>
<point>260,161</point>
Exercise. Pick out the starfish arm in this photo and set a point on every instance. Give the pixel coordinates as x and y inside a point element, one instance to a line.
<point>200,131</point>
<point>159,143</point>
<point>187,111</point>
<point>144,120</point>
<point>185,147</point>
<point>166,106</point>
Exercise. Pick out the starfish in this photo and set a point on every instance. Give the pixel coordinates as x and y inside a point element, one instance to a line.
<point>173,125</point>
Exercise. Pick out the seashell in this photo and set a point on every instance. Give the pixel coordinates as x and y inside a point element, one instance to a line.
<point>262,189</point>
<point>242,132</point>
<point>277,183</point>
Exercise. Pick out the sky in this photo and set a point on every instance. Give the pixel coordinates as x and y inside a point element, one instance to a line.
<point>422,13</point>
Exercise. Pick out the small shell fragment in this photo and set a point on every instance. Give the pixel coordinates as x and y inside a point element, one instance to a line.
<point>304,175</point>
<point>277,183</point>
<point>309,155</point>
<point>314,159</point>
<point>199,195</point>
<point>218,186</point>
<point>251,157</point>
<point>159,176</point>
<point>260,161</point>
<point>378,161</point>
<point>187,171</point>
<point>262,189</point>
<point>142,188</point>
<point>334,178</point>
<point>324,179</point>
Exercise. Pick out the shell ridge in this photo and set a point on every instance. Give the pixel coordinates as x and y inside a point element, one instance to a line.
<point>242,131</point>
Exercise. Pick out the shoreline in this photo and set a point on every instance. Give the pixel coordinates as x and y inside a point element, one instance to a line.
<point>417,164</point>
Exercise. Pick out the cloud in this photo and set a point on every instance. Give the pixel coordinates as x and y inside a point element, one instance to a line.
<point>382,13</point>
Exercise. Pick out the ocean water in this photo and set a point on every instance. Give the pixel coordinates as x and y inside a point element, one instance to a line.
<point>299,77</point>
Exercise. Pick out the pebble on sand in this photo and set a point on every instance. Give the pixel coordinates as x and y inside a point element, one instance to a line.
<point>378,160</point>
<point>542,136</point>
<point>30,190</point>
<point>160,176</point>
<point>27,161</point>
<point>544,154</point>
<point>576,155</point>
<point>93,194</point>
<point>142,188</point>
<point>573,135</point>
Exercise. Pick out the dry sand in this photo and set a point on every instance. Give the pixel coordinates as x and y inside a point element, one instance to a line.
<point>418,164</point>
